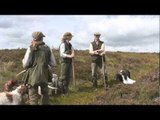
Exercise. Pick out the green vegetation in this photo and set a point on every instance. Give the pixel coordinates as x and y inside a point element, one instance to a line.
<point>143,67</point>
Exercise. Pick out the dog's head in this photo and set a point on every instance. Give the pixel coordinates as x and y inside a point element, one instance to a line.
<point>125,73</point>
<point>122,72</point>
<point>22,89</point>
<point>9,84</point>
<point>54,78</point>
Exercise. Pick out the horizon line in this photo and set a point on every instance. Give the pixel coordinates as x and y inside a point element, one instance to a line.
<point>86,50</point>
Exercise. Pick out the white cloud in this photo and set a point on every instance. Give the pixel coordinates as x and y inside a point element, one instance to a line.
<point>120,32</point>
<point>123,33</point>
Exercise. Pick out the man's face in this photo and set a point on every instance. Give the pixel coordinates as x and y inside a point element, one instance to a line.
<point>96,37</point>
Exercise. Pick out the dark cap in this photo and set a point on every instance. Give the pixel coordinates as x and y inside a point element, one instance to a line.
<point>37,35</point>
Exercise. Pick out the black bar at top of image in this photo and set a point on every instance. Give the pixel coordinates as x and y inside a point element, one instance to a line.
<point>79,7</point>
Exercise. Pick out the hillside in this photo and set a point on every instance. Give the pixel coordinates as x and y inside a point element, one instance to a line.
<point>144,68</point>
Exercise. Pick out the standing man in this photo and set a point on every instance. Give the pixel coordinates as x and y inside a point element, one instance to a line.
<point>97,52</point>
<point>36,61</point>
<point>66,55</point>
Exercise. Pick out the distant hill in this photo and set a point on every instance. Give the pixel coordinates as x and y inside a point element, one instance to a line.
<point>144,68</point>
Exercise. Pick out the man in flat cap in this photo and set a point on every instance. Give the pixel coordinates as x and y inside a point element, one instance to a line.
<point>97,52</point>
<point>36,61</point>
<point>66,55</point>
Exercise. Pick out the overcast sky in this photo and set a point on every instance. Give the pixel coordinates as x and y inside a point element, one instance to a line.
<point>132,33</point>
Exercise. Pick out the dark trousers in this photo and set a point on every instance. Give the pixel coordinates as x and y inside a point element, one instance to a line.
<point>95,67</point>
<point>65,75</point>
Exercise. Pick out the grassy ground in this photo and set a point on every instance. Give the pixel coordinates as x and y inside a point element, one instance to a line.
<point>144,68</point>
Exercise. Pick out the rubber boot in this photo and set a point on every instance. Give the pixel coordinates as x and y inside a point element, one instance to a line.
<point>106,83</point>
<point>65,87</point>
<point>94,80</point>
<point>60,87</point>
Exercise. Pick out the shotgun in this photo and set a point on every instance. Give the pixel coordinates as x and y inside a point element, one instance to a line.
<point>73,73</point>
<point>20,73</point>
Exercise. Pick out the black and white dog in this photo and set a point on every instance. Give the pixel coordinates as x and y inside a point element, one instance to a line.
<point>124,76</point>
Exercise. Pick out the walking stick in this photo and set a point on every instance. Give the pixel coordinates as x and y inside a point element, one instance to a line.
<point>103,70</point>
<point>73,73</point>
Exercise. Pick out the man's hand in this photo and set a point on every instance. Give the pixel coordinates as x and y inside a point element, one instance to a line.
<point>98,52</point>
<point>101,54</point>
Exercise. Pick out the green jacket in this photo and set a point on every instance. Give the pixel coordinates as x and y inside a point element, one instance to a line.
<point>38,71</point>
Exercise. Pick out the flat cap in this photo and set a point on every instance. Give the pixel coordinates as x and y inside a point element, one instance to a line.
<point>37,35</point>
<point>97,34</point>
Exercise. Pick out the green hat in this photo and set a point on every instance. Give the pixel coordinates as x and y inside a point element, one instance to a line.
<point>97,34</point>
<point>67,34</point>
<point>37,35</point>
